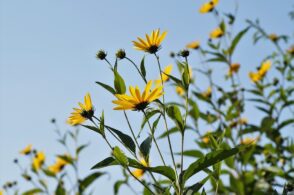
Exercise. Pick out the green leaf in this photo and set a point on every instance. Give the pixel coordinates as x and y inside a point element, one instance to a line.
<point>127,140</point>
<point>107,87</point>
<point>194,112</point>
<point>102,124</point>
<point>169,132</point>
<point>175,114</point>
<point>223,26</point>
<point>201,97</point>
<point>236,40</point>
<point>148,116</point>
<point>87,181</point>
<point>49,173</point>
<point>217,59</point>
<point>172,131</point>
<point>145,147</point>
<point>267,123</point>
<point>109,161</point>
<point>208,117</point>
<point>119,83</point>
<point>66,158</point>
<point>196,187</point>
<point>285,123</point>
<point>203,192</point>
<point>155,123</point>
<point>237,185</point>
<point>213,142</point>
<point>208,160</point>
<point>120,156</point>
<point>192,153</point>
<point>81,147</point>
<point>164,170</point>
<point>60,190</point>
<point>186,76</point>
<point>93,129</point>
<point>117,185</point>
<point>142,67</point>
<point>33,191</point>
<point>175,79</point>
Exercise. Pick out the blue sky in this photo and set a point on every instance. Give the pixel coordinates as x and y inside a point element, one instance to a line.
<point>47,60</point>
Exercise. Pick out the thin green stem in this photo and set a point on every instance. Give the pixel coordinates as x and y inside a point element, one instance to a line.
<point>110,66</point>
<point>216,190</point>
<point>152,135</point>
<point>135,65</point>
<point>131,129</point>
<point>164,117</point>
<point>146,186</point>
<point>127,168</point>
<point>137,144</point>
<point>185,123</point>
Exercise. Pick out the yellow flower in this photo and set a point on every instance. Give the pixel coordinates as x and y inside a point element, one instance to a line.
<point>234,68</point>
<point>264,68</point>
<point>38,161</point>
<point>205,139</point>
<point>79,115</point>
<point>180,90</point>
<point>273,37</point>
<point>27,150</point>
<point>58,166</point>
<point>137,101</point>
<point>1,192</point>
<point>208,7</point>
<point>248,141</point>
<point>166,71</point>
<point>193,45</point>
<point>257,76</point>
<point>254,76</point>
<point>207,93</point>
<point>216,33</point>
<point>152,42</point>
<point>138,173</point>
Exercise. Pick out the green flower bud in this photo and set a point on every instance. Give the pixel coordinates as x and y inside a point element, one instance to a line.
<point>101,55</point>
<point>120,54</point>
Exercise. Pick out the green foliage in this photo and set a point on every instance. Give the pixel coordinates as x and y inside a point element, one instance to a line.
<point>236,155</point>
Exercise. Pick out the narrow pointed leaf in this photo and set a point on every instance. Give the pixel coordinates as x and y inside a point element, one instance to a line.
<point>127,140</point>
<point>209,160</point>
<point>146,146</point>
<point>87,181</point>
<point>107,87</point>
<point>119,83</point>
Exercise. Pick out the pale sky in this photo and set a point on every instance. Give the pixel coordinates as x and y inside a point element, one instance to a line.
<point>47,61</point>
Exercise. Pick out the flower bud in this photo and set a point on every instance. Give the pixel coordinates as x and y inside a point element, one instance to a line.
<point>172,54</point>
<point>184,53</point>
<point>273,37</point>
<point>101,55</point>
<point>120,54</point>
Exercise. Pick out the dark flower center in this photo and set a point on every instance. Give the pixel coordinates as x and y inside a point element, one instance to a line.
<point>141,106</point>
<point>153,49</point>
<point>87,114</point>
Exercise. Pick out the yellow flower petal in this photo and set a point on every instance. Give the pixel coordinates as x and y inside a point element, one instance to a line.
<point>83,113</point>
<point>152,42</point>
<point>216,33</point>
<point>137,101</point>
